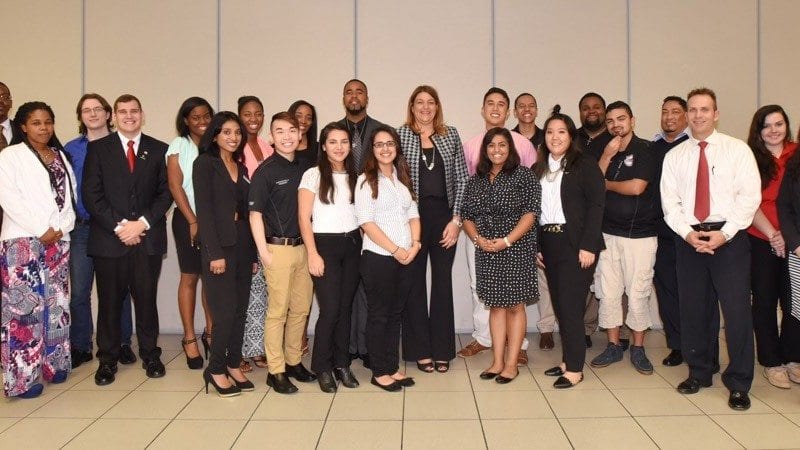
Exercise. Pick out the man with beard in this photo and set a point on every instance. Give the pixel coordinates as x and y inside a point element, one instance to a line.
<point>355,99</point>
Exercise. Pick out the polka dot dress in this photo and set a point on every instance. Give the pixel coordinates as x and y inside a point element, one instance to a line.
<point>508,277</point>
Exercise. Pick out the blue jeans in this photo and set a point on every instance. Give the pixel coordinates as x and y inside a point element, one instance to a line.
<point>81,276</point>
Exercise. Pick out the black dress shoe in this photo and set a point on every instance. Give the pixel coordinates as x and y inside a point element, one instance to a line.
<point>486,375</point>
<point>154,368</point>
<point>554,371</point>
<point>675,358</point>
<point>393,387</point>
<point>406,382</point>
<point>326,382</point>
<point>564,383</point>
<point>588,341</point>
<point>300,373</point>
<point>345,375</point>
<point>504,380</point>
<point>692,385</point>
<point>126,355</point>
<point>739,400</point>
<point>281,383</point>
<point>105,374</point>
<point>79,357</point>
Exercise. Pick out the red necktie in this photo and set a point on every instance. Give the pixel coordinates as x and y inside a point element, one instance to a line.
<point>702,195</point>
<point>131,156</point>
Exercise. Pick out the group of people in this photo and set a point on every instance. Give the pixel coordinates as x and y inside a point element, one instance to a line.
<point>582,221</point>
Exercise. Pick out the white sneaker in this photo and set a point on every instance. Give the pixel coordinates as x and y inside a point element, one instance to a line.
<point>793,369</point>
<point>778,376</point>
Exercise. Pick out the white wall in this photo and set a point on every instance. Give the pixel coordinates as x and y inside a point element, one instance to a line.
<point>165,51</point>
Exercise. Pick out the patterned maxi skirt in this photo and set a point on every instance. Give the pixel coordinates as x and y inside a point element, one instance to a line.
<point>253,343</point>
<point>34,337</point>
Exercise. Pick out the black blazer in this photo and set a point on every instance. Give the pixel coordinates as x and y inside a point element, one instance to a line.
<point>583,198</point>
<point>112,193</point>
<point>369,128</point>
<point>215,199</point>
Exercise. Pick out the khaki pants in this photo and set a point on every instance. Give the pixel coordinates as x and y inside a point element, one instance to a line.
<point>289,289</point>
<point>547,318</point>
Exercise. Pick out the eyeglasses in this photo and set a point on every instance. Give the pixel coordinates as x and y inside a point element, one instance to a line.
<point>5,96</point>
<point>382,145</point>
<point>96,110</point>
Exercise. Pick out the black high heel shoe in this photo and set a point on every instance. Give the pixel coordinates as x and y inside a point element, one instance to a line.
<point>244,386</point>
<point>193,362</point>
<point>230,391</point>
<point>205,338</point>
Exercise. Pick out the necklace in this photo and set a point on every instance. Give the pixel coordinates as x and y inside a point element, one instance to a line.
<point>550,176</point>
<point>47,157</point>
<point>433,158</point>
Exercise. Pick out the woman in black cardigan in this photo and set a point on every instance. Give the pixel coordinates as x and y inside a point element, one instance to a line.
<point>221,188</point>
<point>573,198</point>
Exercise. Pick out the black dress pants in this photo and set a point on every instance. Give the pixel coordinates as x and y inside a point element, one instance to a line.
<point>138,273</point>
<point>335,290</point>
<point>569,286</point>
<point>771,288</point>
<point>431,334</point>
<point>228,295</point>
<point>388,285</point>
<point>727,272</point>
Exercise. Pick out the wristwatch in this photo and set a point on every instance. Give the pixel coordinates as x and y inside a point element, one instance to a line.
<point>458,222</point>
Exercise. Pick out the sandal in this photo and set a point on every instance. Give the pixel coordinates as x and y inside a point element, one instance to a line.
<point>259,361</point>
<point>442,366</point>
<point>245,366</point>
<point>426,367</point>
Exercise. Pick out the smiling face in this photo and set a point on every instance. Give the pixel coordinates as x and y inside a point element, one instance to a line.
<point>197,121</point>
<point>384,148</point>
<point>424,109</point>
<point>336,147</point>
<point>355,98</point>
<point>495,111</point>
<point>592,112</point>
<point>703,115</point>
<point>774,131</point>
<point>285,135</point>
<point>5,102</point>
<point>252,114</point>
<point>526,109</point>
<point>128,117</point>
<point>93,115</point>
<point>619,122</point>
<point>38,128</point>
<point>556,138</point>
<point>497,150</point>
<point>229,137</point>
<point>673,117</point>
<point>305,118</point>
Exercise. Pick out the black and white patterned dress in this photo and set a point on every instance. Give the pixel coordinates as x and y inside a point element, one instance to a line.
<point>508,277</point>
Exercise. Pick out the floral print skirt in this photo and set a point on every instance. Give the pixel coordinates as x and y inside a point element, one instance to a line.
<point>34,337</point>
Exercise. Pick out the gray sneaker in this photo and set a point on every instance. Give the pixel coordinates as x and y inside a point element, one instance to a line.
<point>612,354</point>
<point>640,361</point>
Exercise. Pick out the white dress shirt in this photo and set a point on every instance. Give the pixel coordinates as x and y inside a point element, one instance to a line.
<point>552,210</point>
<point>7,130</point>
<point>734,184</point>
<point>391,211</point>
<point>136,140</point>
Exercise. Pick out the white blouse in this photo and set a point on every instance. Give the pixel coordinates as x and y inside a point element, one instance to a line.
<point>552,212</point>
<point>338,216</point>
<point>391,211</point>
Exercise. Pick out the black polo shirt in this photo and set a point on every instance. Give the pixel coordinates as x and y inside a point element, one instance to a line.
<point>273,193</point>
<point>538,138</point>
<point>632,216</point>
<point>593,146</point>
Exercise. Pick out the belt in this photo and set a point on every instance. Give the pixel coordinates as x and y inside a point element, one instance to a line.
<point>81,221</point>
<point>294,242</point>
<point>350,234</point>
<point>554,228</point>
<point>708,226</point>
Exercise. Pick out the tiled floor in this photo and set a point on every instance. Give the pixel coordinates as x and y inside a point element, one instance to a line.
<point>614,408</point>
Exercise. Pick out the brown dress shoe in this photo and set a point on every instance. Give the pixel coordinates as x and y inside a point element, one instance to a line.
<point>522,359</point>
<point>546,341</point>
<point>472,349</point>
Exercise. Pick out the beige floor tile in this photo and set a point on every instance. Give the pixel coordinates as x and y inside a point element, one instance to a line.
<point>454,380</point>
<point>460,434</point>
<point>688,432</point>
<point>118,434</point>
<point>781,400</point>
<point>150,405</point>
<point>80,404</point>
<point>6,422</point>
<point>213,407</point>
<point>794,418</point>
<point>22,407</point>
<point>656,402</point>
<point>130,380</point>
<point>523,382</point>
<point>525,433</point>
<point>75,377</point>
<point>590,380</point>
<point>372,435</point>
<point>301,406</point>
<point>288,434</point>
<point>761,430</point>
<point>622,375</point>
<point>590,403</point>
<point>715,401</point>
<point>539,360</point>
<point>382,406</point>
<point>513,405</point>
<point>440,406</point>
<point>672,375</point>
<point>42,433</point>
<point>479,362</point>
<point>606,433</point>
<point>175,381</point>
<point>198,434</point>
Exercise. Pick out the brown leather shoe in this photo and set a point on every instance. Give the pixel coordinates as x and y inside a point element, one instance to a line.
<point>472,349</point>
<point>522,359</point>
<point>546,341</point>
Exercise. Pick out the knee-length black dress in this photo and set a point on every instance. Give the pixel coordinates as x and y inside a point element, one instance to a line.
<point>508,277</point>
